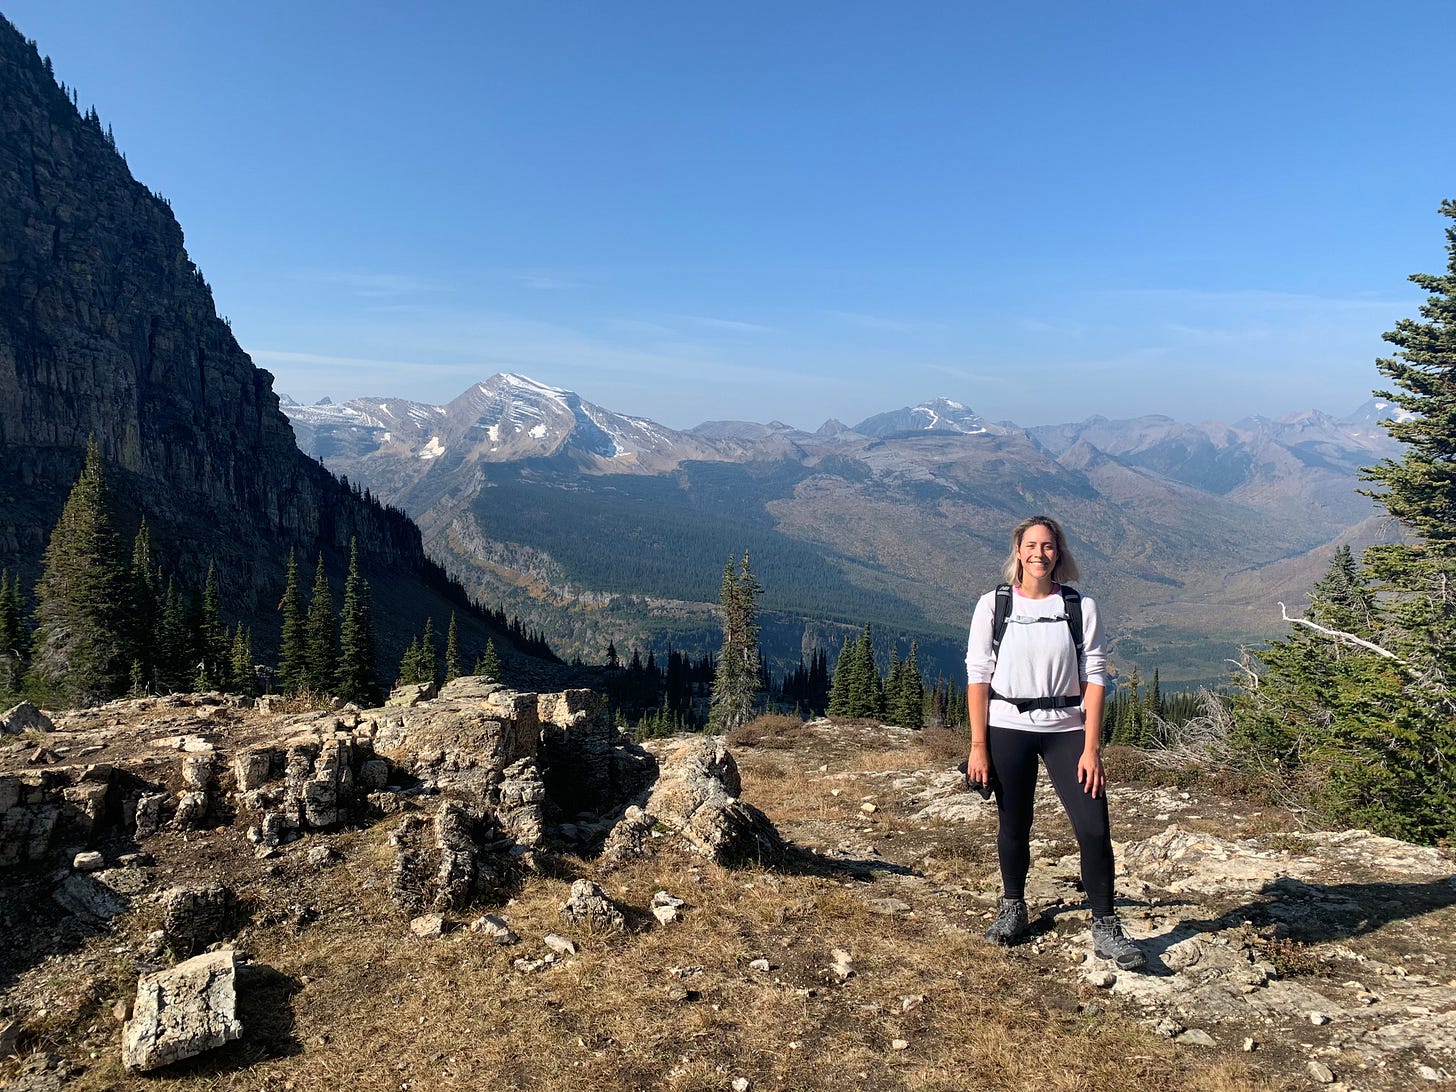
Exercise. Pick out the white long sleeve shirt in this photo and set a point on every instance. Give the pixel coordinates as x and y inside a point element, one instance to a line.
<point>1038,659</point>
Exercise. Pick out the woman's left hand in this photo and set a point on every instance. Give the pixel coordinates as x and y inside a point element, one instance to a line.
<point>1089,773</point>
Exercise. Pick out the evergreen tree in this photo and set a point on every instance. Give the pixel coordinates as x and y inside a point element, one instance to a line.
<point>81,653</point>
<point>173,655</point>
<point>143,604</point>
<point>427,664</point>
<point>212,639</point>
<point>320,643</point>
<point>1368,704</point>
<point>839,686</point>
<point>240,663</point>
<point>489,664</point>
<point>292,645</point>
<point>912,692</point>
<point>409,664</point>
<point>12,637</point>
<point>356,682</point>
<point>452,651</point>
<point>737,679</point>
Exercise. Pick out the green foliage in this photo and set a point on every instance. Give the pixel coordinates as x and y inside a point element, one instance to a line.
<point>292,647</point>
<point>12,637</point>
<point>1358,706</point>
<point>421,664</point>
<point>356,680</point>
<point>488,666</point>
<point>242,678</point>
<point>452,651</point>
<point>212,639</point>
<point>81,653</point>
<point>320,640</point>
<point>737,681</point>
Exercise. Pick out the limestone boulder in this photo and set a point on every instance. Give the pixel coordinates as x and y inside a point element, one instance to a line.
<point>182,1012</point>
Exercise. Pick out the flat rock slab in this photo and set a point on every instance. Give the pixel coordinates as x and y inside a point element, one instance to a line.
<point>182,1012</point>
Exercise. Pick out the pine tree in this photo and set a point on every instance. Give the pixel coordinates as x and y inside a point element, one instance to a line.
<point>81,654</point>
<point>452,651</point>
<point>12,637</point>
<point>736,682</point>
<point>428,669</point>
<point>321,645</point>
<point>356,682</point>
<point>240,663</point>
<point>1373,725</point>
<point>912,692</point>
<point>839,686</point>
<point>409,664</point>
<point>489,664</point>
<point>173,655</point>
<point>292,646</point>
<point>143,603</point>
<point>212,638</point>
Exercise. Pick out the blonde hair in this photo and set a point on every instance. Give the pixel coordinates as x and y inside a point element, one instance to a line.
<point>1064,570</point>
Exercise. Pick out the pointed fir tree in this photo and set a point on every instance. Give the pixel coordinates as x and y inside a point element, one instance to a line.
<point>241,676</point>
<point>81,653</point>
<point>320,643</point>
<point>735,684</point>
<point>172,658</point>
<point>427,660</point>
<point>12,637</point>
<point>489,664</point>
<point>409,664</point>
<point>839,686</point>
<point>144,605</point>
<point>357,681</point>
<point>292,645</point>
<point>452,651</point>
<point>214,644</point>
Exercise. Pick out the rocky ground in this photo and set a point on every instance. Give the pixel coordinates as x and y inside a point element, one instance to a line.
<point>1278,958</point>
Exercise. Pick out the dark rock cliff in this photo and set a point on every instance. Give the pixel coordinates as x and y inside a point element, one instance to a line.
<point>108,329</point>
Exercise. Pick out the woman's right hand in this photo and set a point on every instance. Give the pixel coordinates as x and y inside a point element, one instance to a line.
<point>978,766</point>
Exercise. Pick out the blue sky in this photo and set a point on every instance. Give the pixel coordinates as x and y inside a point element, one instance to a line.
<point>793,210</point>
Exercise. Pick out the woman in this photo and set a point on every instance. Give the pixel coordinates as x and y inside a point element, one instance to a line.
<point>1034,697</point>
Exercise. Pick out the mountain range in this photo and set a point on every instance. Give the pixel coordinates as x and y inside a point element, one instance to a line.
<point>598,526</point>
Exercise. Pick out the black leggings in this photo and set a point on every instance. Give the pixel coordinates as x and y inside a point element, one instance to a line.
<point>1013,757</point>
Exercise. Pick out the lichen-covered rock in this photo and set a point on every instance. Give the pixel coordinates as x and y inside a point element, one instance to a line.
<point>696,799</point>
<point>25,717</point>
<point>590,908</point>
<point>182,1012</point>
<point>194,917</point>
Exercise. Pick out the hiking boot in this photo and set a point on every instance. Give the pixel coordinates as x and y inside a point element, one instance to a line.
<point>1010,922</point>
<point>1109,941</point>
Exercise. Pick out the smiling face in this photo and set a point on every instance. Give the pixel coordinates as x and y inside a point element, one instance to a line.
<point>1037,553</point>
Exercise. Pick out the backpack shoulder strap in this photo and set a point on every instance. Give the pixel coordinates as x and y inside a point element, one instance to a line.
<point>1002,614</point>
<point>1073,599</point>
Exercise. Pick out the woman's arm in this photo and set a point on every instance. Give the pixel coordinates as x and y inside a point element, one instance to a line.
<point>1089,767</point>
<point>978,705</point>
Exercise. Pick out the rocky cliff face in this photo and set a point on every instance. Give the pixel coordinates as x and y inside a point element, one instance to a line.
<point>108,329</point>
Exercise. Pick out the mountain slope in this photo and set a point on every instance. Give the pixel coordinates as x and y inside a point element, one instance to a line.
<point>108,329</point>
<point>900,521</point>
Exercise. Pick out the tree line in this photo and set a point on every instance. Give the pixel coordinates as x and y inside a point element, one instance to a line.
<point>108,622</point>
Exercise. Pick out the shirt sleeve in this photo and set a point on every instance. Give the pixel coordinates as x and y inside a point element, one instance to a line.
<point>1094,645</point>
<point>980,661</point>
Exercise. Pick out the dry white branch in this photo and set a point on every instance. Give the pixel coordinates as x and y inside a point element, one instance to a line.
<point>1341,635</point>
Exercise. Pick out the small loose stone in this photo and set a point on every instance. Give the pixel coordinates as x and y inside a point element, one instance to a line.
<point>899,1044</point>
<point>1321,1072</point>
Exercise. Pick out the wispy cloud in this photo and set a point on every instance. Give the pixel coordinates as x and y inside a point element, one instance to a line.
<point>731,325</point>
<point>881,322</point>
<point>548,282</point>
<point>369,285</point>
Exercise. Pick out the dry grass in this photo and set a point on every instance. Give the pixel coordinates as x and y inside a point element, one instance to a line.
<point>771,730</point>
<point>348,999</point>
